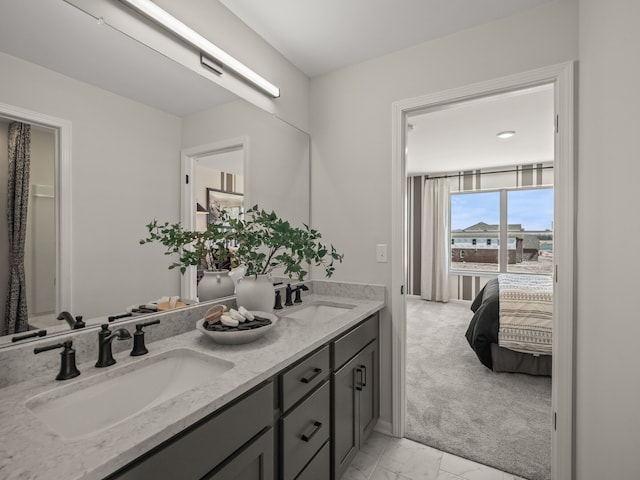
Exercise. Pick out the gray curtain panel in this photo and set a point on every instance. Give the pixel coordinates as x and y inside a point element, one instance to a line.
<point>16,319</point>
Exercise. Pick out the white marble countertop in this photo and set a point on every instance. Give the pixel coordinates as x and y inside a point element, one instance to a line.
<point>29,450</point>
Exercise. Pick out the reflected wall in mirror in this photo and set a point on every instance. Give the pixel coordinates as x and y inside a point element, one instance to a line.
<point>122,143</point>
<point>125,171</point>
<point>275,163</point>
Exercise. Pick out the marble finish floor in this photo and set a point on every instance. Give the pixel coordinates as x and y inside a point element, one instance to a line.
<point>388,458</point>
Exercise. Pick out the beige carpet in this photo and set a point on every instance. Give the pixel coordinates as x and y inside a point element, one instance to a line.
<point>456,404</point>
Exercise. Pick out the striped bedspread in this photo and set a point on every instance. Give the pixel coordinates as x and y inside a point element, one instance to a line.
<point>526,313</point>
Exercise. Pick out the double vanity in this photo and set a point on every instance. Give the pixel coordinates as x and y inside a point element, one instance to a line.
<point>294,404</point>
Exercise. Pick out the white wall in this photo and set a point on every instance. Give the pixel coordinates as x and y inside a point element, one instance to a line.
<point>351,128</point>
<point>125,172</point>
<point>608,383</point>
<point>40,243</point>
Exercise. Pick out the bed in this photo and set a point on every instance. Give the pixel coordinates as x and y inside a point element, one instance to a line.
<point>511,329</point>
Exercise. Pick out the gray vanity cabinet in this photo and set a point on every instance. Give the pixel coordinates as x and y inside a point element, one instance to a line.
<point>356,392</point>
<point>253,462</point>
<point>305,425</point>
<point>235,443</point>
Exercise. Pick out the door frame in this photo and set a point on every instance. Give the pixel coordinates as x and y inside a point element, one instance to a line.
<point>562,76</point>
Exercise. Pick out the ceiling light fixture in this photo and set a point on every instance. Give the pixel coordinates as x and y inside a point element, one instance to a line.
<point>506,134</point>
<point>175,26</point>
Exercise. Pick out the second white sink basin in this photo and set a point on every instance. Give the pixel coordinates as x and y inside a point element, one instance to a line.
<point>89,406</point>
<point>319,311</point>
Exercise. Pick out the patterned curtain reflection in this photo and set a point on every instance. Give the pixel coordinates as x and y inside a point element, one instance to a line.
<point>18,198</point>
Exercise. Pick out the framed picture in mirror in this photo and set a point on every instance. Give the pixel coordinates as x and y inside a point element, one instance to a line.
<point>218,200</point>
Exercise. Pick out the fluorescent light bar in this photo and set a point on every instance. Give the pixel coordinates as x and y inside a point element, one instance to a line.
<point>166,20</point>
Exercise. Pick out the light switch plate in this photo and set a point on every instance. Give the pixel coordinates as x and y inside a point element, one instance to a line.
<point>381,253</point>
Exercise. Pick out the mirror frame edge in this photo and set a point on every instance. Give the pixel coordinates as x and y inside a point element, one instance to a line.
<point>190,155</point>
<point>62,175</point>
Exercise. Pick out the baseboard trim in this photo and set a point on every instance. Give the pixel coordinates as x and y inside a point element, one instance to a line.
<point>383,427</point>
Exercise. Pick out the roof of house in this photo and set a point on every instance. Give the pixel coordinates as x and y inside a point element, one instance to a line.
<point>486,227</point>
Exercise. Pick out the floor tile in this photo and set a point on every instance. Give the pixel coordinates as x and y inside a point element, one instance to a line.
<point>469,470</point>
<point>353,474</point>
<point>375,444</point>
<point>384,474</point>
<point>388,458</point>
<point>442,475</point>
<point>364,463</point>
<point>411,459</point>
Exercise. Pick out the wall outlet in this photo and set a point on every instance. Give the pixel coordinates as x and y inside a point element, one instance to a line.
<point>381,253</point>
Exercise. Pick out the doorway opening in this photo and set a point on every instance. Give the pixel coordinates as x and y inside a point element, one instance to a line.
<point>480,210</point>
<point>562,79</point>
<point>213,175</point>
<point>48,233</point>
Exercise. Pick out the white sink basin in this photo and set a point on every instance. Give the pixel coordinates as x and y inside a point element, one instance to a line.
<point>87,407</point>
<point>319,311</point>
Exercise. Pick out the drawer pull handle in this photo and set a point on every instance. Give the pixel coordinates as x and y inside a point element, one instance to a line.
<point>316,428</point>
<point>359,383</point>
<point>309,379</point>
<point>364,376</point>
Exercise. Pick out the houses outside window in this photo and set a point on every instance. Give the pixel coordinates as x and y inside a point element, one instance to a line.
<point>522,217</point>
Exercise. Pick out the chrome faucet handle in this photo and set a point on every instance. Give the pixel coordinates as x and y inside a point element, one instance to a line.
<point>68,367</point>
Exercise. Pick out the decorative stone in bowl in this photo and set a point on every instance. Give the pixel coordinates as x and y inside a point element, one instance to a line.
<point>237,336</point>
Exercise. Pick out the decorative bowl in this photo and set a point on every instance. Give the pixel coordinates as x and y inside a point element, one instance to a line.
<point>240,336</point>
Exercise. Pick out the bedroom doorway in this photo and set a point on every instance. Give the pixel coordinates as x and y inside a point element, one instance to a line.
<point>561,77</point>
<point>480,204</point>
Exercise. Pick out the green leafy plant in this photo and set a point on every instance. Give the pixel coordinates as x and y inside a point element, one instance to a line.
<point>267,242</point>
<point>206,249</point>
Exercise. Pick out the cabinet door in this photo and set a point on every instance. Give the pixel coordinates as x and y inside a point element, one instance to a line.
<point>345,419</point>
<point>253,462</point>
<point>197,450</point>
<point>367,378</point>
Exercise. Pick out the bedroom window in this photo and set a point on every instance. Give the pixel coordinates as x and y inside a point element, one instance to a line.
<point>531,211</point>
<point>523,218</point>
<point>474,215</point>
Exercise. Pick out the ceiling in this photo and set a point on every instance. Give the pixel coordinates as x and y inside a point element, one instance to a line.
<point>319,36</point>
<point>464,137</point>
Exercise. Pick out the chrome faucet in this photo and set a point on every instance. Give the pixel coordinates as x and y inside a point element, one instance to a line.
<point>105,337</point>
<point>74,323</point>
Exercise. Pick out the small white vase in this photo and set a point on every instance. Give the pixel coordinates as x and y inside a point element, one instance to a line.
<point>215,284</point>
<point>256,293</point>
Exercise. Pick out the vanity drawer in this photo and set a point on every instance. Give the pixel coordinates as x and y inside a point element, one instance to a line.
<point>198,449</point>
<point>304,430</point>
<point>299,380</point>
<point>319,468</point>
<point>350,344</point>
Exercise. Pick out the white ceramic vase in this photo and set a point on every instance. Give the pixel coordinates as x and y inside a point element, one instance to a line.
<point>256,293</point>
<point>215,284</point>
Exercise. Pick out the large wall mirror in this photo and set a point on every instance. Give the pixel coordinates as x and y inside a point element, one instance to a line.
<point>129,146</point>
